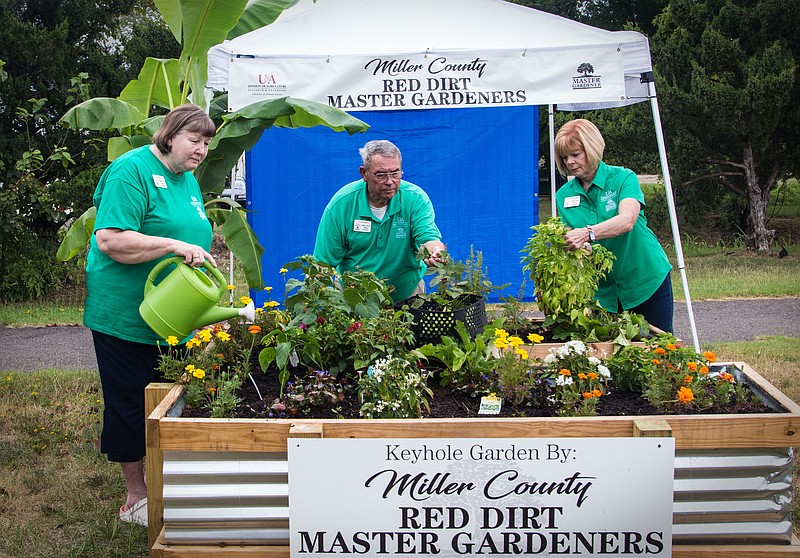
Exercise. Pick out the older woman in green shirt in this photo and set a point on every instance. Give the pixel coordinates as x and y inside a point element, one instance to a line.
<point>605,204</point>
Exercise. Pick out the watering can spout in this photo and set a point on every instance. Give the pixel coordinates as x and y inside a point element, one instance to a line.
<point>219,314</point>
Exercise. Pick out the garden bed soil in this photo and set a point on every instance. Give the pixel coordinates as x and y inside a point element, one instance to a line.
<point>448,403</point>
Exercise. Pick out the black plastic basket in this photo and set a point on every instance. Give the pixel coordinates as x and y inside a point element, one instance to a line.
<point>431,323</point>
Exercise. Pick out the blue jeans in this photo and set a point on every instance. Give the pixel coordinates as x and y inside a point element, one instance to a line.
<point>657,309</point>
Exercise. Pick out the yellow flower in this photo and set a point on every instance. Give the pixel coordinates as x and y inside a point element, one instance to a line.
<point>223,336</point>
<point>685,395</point>
<point>271,304</point>
<point>500,342</point>
<point>534,338</point>
<point>192,343</point>
<point>515,341</point>
<point>268,289</point>
<point>245,299</point>
<point>523,354</point>
<point>204,335</point>
<point>501,333</point>
<point>283,270</point>
<point>199,373</point>
<point>709,356</point>
<point>172,340</point>
<point>230,287</point>
<point>190,368</point>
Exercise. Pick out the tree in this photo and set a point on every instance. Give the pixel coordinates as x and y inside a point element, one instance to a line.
<point>727,73</point>
<point>163,84</point>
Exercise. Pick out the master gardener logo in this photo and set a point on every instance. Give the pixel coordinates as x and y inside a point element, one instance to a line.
<point>586,79</point>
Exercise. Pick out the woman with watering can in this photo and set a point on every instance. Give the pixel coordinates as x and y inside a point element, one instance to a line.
<point>149,207</point>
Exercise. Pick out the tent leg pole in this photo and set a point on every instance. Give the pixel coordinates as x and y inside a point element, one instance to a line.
<point>552,125</point>
<point>673,218</point>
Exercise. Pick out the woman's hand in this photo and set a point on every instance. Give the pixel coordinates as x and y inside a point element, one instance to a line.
<point>131,247</point>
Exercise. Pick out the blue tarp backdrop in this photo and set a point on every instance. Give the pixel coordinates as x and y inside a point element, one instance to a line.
<point>478,165</point>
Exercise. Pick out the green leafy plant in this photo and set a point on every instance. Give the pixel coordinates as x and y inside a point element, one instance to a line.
<point>386,334</point>
<point>394,387</point>
<point>456,284</point>
<point>324,311</point>
<point>465,361</point>
<point>564,281</point>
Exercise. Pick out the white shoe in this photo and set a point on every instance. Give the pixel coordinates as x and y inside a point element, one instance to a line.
<point>137,513</point>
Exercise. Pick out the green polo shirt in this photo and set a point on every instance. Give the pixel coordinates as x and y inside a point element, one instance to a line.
<point>138,192</point>
<point>641,265</point>
<point>350,237</point>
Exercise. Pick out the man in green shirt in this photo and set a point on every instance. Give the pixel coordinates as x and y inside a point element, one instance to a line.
<point>380,223</point>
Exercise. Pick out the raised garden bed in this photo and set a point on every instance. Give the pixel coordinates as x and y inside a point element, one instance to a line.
<point>218,487</point>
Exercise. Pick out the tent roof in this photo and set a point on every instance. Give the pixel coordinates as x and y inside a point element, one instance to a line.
<point>412,27</point>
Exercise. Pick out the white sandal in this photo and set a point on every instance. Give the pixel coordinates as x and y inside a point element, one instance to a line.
<point>137,513</point>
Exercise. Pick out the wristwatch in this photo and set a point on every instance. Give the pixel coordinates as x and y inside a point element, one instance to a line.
<point>592,236</point>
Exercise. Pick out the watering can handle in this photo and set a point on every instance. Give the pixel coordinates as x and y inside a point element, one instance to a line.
<point>216,273</point>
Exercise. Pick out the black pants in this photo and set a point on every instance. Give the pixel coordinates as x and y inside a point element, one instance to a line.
<point>657,309</point>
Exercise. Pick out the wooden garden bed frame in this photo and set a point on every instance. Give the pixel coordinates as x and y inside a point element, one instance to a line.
<point>775,430</point>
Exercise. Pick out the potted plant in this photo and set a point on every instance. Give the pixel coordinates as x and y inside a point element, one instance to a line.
<point>458,294</point>
<point>565,282</point>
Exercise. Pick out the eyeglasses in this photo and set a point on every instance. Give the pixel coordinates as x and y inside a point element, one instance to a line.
<point>384,175</point>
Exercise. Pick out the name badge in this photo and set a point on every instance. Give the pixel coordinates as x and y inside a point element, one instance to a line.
<point>572,201</point>
<point>359,225</point>
<point>159,181</point>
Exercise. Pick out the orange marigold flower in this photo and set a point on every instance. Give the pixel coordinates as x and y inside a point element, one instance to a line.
<point>685,395</point>
<point>565,372</point>
<point>687,379</point>
<point>672,347</point>
<point>588,395</point>
<point>727,377</point>
<point>660,351</point>
<point>597,392</point>
<point>593,375</point>
<point>656,361</point>
<point>709,356</point>
<point>692,366</point>
<point>704,370</point>
<point>582,376</point>
<point>254,329</point>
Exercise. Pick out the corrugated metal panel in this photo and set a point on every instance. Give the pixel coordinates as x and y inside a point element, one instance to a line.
<point>733,496</point>
<point>720,496</point>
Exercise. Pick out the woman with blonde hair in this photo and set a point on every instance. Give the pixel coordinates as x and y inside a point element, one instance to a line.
<point>605,204</point>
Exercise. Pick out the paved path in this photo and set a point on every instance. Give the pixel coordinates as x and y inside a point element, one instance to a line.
<point>71,348</point>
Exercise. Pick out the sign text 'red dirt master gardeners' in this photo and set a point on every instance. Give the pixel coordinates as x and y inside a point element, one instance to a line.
<point>493,497</point>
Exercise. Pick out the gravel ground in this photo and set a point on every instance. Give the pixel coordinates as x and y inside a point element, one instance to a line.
<point>70,347</point>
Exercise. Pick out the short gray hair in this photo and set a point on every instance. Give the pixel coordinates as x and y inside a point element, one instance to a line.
<point>383,148</point>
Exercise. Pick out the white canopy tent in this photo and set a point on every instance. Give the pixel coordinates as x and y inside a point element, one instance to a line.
<point>418,54</point>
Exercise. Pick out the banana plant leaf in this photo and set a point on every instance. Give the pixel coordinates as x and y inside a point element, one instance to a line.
<point>240,238</point>
<point>102,113</point>
<point>157,84</point>
<point>78,235</point>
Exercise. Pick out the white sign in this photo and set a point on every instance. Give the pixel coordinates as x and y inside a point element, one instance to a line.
<point>492,497</point>
<point>442,80</point>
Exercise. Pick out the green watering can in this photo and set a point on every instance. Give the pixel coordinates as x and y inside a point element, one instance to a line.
<point>186,299</point>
